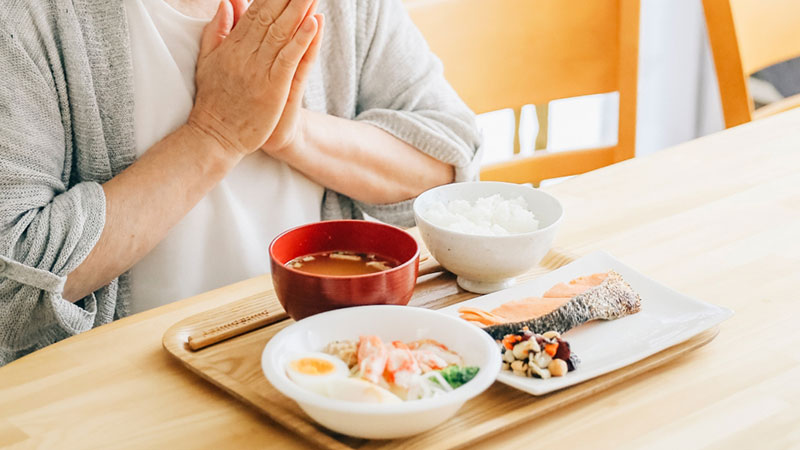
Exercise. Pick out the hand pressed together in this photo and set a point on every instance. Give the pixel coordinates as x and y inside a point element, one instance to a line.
<point>252,62</point>
<point>288,133</point>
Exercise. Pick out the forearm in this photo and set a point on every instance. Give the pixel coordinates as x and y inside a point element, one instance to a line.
<point>146,200</point>
<point>362,161</point>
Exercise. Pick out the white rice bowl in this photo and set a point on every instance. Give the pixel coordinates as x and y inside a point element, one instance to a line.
<point>487,232</point>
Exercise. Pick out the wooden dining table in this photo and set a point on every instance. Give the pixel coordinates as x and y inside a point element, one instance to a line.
<point>717,218</point>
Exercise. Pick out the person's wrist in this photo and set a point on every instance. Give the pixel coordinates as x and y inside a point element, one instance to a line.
<point>295,144</point>
<point>220,149</point>
<point>208,129</point>
<point>300,140</point>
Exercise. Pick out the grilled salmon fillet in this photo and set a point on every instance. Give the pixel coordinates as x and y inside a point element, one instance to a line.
<point>600,296</point>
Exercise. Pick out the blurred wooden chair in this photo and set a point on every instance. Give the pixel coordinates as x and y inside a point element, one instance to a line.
<point>510,53</point>
<point>747,36</point>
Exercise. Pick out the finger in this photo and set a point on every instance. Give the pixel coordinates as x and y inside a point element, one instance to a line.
<point>239,9</point>
<point>286,26</point>
<point>296,12</point>
<point>312,10</point>
<point>218,29</point>
<point>285,64</point>
<point>302,74</point>
<point>303,71</point>
<point>257,19</point>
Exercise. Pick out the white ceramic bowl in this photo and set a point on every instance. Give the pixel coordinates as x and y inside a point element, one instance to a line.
<point>405,323</point>
<point>489,263</point>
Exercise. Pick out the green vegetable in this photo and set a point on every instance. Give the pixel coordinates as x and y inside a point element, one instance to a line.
<point>457,376</point>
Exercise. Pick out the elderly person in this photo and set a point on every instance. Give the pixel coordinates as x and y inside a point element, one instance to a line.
<point>150,149</point>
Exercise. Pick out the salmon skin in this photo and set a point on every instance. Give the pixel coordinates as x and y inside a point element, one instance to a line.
<point>611,299</point>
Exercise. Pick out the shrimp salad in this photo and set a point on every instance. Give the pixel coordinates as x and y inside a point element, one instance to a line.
<point>372,371</point>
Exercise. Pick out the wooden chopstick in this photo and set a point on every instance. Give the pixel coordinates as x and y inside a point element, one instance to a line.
<point>236,327</point>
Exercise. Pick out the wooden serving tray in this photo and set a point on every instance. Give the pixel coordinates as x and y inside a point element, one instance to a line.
<point>235,366</point>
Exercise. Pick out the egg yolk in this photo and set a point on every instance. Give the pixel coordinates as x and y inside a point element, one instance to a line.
<point>312,366</point>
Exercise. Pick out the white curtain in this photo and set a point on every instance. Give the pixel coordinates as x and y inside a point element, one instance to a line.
<point>678,94</point>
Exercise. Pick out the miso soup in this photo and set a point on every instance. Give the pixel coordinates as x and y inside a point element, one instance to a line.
<point>341,263</point>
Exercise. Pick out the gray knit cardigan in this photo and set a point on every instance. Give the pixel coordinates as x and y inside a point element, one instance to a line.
<point>66,126</point>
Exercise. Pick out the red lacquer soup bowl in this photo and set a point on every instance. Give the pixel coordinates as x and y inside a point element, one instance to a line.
<point>304,294</point>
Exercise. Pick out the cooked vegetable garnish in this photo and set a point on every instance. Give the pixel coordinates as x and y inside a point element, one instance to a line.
<point>537,355</point>
<point>457,376</point>
<point>510,340</point>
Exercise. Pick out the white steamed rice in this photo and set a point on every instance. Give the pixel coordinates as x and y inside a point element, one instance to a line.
<point>492,216</point>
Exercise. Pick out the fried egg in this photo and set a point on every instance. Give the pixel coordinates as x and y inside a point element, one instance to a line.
<point>314,371</point>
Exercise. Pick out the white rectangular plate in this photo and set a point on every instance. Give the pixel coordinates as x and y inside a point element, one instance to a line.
<point>667,318</point>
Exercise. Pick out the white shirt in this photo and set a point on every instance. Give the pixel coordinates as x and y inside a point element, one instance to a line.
<point>224,238</point>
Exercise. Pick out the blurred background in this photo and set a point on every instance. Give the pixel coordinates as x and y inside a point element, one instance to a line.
<point>678,96</point>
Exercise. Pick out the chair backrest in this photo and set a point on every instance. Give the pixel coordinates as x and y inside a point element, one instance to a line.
<point>509,53</point>
<point>747,36</point>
